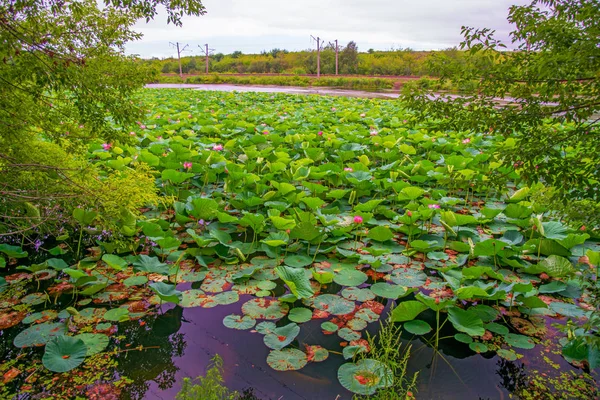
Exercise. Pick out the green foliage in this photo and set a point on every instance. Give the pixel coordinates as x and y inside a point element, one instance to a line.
<point>207,387</point>
<point>386,348</point>
<point>548,90</point>
<point>66,81</point>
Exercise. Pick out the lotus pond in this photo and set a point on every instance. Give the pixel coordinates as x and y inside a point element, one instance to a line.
<point>290,227</point>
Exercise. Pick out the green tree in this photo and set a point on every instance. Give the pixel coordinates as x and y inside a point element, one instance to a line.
<point>349,59</point>
<point>544,96</point>
<point>66,82</point>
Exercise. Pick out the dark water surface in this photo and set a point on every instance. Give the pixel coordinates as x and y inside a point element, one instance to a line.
<point>197,334</point>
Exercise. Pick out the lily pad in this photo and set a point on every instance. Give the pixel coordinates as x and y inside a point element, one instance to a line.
<point>388,291</point>
<point>519,341</point>
<point>64,353</point>
<point>265,327</point>
<point>417,327</point>
<point>39,317</point>
<point>239,322</point>
<point>365,376</point>
<point>39,335</point>
<point>315,353</point>
<point>408,277</point>
<point>287,359</point>
<point>333,304</point>
<point>329,327</point>
<point>300,314</point>
<point>350,277</point>
<point>281,337</point>
<point>117,315</point>
<point>509,355</point>
<point>356,294</point>
<point>265,309</point>
<point>348,334</point>
<point>95,342</point>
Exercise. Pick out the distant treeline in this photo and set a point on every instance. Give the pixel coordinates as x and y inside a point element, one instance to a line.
<point>404,62</point>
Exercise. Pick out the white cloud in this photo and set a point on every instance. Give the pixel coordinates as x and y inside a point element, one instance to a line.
<point>252,26</point>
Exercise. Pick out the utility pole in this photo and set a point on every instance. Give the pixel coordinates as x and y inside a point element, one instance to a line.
<point>207,52</point>
<point>318,39</point>
<point>337,50</point>
<point>176,44</point>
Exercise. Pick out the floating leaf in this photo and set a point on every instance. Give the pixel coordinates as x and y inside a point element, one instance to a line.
<point>287,359</point>
<point>281,337</point>
<point>478,347</point>
<point>315,353</point>
<point>365,377</point>
<point>39,335</point>
<point>350,277</point>
<point>95,342</point>
<point>329,327</point>
<point>265,309</point>
<point>300,315</point>
<point>356,294</point>
<point>117,315</point>
<point>333,304</point>
<point>64,353</point>
<point>388,291</point>
<point>408,277</point>
<point>239,322</point>
<point>519,341</point>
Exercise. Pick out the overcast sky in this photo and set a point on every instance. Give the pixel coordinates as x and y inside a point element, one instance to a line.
<point>251,26</point>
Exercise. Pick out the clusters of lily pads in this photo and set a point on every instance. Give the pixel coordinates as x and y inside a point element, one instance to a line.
<point>320,209</point>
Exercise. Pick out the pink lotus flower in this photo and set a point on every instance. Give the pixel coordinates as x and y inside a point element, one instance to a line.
<point>187,165</point>
<point>217,147</point>
<point>333,109</point>
<point>159,138</point>
<point>265,132</point>
<point>106,146</point>
<point>374,133</point>
<point>348,169</point>
<point>363,115</point>
<point>142,126</point>
<point>320,133</point>
<point>131,133</point>
<point>358,219</point>
<point>434,206</point>
<point>467,140</point>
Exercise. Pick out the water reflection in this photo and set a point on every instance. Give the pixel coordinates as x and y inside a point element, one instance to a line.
<point>157,363</point>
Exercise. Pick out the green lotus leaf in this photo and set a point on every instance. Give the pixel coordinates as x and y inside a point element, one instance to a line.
<point>95,342</point>
<point>350,277</point>
<point>466,321</point>
<point>300,315</point>
<point>315,353</point>
<point>265,309</point>
<point>64,353</point>
<point>281,337</point>
<point>388,291</point>
<point>478,347</point>
<point>117,315</point>
<point>365,376</point>
<point>519,341</point>
<point>287,359</point>
<point>333,304</point>
<point>296,280</point>
<point>380,234</point>
<point>239,322</point>
<point>166,292</point>
<point>407,311</point>
<point>417,327</point>
<point>356,294</point>
<point>408,277</point>
<point>557,266</point>
<point>114,261</point>
<point>39,335</point>
<point>329,327</point>
<point>135,281</point>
